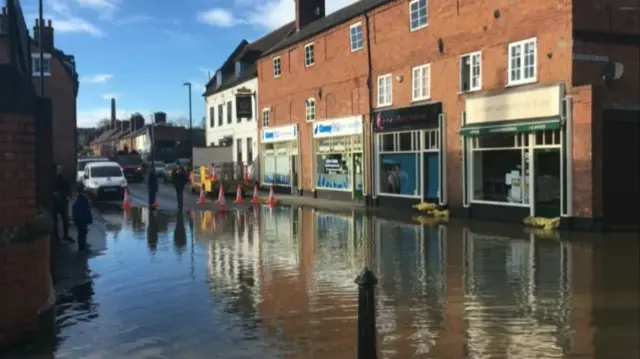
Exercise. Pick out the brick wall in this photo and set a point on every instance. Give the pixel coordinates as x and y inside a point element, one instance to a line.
<point>26,288</point>
<point>18,149</point>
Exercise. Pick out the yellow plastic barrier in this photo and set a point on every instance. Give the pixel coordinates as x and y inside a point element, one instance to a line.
<point>547,224</point>
<point>431,210</point>
<point>428,221</point>
<point>543,233</point>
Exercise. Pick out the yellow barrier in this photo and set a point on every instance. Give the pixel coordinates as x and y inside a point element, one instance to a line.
<point>431,210</point>
<point>548,224</point>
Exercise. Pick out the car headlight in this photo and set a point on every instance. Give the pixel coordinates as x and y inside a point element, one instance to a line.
<point>94,184</point>
<point>123,183</point>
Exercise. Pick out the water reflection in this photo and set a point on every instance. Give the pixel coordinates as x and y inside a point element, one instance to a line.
<point>278,283</point>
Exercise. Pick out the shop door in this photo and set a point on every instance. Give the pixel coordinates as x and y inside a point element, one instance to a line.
<point>431,177</point>
<point>356,169</point>
<point>294,173</point>
<point>547,182</point>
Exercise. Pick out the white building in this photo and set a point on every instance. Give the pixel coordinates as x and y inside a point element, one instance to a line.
<point>235,88</point>
<point>224,126</point>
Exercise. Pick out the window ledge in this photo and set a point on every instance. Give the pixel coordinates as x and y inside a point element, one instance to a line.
<point>384,105</point>
<point>424,99</point>
<point>276,76</point>
<point>311,65</point>
<point>520,83</point>
<point>469,91</point>
<point>419,27</point>
<point>358,49</point>
<point>37,74</point>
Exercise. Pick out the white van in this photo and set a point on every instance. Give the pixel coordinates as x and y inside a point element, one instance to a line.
<point>104,180</point>
<point>82,162</point>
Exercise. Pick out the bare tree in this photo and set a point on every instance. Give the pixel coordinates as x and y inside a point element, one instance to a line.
<point>103,122</point>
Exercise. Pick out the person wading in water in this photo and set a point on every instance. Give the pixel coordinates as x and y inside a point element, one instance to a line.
<point>61,197</point>
<point>179,178</point>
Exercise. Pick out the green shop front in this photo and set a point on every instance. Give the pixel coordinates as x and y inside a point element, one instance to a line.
<point>516,154</point>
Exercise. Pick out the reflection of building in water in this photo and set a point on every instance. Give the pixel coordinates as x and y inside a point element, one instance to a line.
<point>516,297</point>
<point>234,260</point>
<point>410,262</point>
<point>280,243</point>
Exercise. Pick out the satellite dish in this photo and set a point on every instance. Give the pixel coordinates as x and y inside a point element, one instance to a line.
<point>612,71</point>
<point>618,70</point>
<point>317,10</point>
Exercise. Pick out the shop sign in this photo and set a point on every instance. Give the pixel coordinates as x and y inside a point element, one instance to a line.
<point>406,118</point>
<point>244,106</point>
<point>527,126</point>
<point>284,133</point>
<point>338,127</point>
<point>544,102</point>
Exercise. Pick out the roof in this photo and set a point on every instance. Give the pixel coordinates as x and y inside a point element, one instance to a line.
<point>67,61</point>
<point>102,164</point>
<point>104,136</point>
<point>248,55</point>
<point>328,22</point>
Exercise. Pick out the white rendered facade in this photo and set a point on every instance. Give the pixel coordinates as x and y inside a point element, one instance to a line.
<point>244,132</point>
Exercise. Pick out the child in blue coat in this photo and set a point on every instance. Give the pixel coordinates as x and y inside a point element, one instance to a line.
<point>82,217</point>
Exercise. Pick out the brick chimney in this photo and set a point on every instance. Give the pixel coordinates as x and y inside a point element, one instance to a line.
<point>113,113</point>
<point>47,33</point>
<point>159,117</point>
<point>308,11</point>
<point>4,21</point>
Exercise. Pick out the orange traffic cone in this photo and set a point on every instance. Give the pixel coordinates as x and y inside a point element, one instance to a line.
<point>126,201</point>
<point>271,201</point>
<point>255,200</point>
<point>222,202</point>
<point>239,198</point>
<point>203,198</point>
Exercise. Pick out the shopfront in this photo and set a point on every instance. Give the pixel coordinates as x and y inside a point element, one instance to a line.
<point>338,155</point>
<point>409,155</point>
<point>516,154</point>
<point>279,152</point>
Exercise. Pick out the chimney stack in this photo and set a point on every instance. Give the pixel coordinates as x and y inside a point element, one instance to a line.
<point>47,34</point>
<point>159,117</point>
<point>113,113</point>
<point>308,11</point>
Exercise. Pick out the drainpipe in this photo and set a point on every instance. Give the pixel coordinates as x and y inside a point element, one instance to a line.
<point>369,173</point>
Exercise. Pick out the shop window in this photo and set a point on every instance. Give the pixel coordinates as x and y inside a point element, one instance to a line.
<point>277,159</point>
<point>387,142</point>
<point>548,138</point>
<point>405,141</point>
<point>399,163</point>
<point>500,168</point>
<point>431,140</point>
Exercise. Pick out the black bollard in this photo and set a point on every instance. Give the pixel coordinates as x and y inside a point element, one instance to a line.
<point>367,348</point>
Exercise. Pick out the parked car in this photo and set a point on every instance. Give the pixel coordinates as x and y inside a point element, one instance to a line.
<point>104,180</point>
<point>168,168</point>
<point>132,167</point>
<point>82,162</point>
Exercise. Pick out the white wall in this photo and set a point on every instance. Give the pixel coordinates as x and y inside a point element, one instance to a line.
<point>247,128</point>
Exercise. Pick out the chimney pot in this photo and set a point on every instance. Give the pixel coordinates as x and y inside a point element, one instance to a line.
<point>36,22</point>
<point>49,23</point>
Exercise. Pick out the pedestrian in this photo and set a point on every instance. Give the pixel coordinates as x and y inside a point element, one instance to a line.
<point>82,217</point>
<point>152,185</point>
<point>61,197</point>
<point>179,178</point>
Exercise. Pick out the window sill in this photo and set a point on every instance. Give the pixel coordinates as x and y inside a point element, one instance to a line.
<point>307,66</point>
<point>37,74</point>
<point>469,91</point>
<point>356,50</point>
<point>520,83</point>
<point>382,105</point>
<point>418,28</point>
<point>276,76</point>
<point>424,99</point>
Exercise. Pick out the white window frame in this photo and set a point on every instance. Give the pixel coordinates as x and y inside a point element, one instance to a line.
<point>424,89</point>
<point>420,26</point>
<point>351,37</point>
<point>277,66</point>
<point>386,101</point>
<point>266,114</point>
<point>311,59</point>
<point>522,44</point>
<point>310,110</point>
<point>471,56</point>
<point>46,58</point>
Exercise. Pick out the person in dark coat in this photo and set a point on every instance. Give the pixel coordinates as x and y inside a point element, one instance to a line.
<point>152,184</point>
<point>61,197</point>
<point>179,178</point>
<point>82,217</point>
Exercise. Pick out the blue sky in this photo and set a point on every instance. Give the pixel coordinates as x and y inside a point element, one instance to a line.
<point>142,51</point>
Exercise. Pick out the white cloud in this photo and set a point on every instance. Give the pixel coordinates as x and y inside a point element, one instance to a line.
<point>218,17</point>
<point>106,9</point>
<point>64,21</point>
<point>272,14</point>
<point>109,96</point>
<point>90,117</point>
<point>96,79</point>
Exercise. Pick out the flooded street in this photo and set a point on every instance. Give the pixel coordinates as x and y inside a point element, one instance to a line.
<point>279,283</point>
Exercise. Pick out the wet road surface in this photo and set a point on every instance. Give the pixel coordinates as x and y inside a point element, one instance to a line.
<point>278,283</point>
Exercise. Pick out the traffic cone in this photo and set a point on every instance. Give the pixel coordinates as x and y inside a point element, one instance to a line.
<point>239,198</point>
<point>203,198</point>
<point>126,201</point>
<point>255,200</point>
<point>271,201</point>
<point>222,202</point>
<point>220,194</point>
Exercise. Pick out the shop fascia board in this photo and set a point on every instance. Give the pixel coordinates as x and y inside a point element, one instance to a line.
<point>529,125</point>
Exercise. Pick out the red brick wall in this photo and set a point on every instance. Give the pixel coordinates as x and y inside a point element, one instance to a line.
<point>26,288</point>
<point>17,160</point>
<point>60,88</point>
<point>583,165</point>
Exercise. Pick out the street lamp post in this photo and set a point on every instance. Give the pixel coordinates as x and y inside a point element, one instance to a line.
<point>188,84</point>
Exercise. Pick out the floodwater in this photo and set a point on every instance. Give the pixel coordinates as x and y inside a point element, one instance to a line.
<point>279,284</point>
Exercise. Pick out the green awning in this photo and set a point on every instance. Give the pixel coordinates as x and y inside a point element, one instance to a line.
<point>510,127</point>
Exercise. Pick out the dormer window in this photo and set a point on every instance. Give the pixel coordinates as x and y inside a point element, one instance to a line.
<point>218,78</point>
<point>238,68</point>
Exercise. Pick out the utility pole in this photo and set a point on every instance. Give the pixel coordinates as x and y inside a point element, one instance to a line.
<point>188,84</point>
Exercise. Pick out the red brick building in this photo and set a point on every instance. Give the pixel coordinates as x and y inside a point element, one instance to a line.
<point>61,85</point>
<point>493,109</point>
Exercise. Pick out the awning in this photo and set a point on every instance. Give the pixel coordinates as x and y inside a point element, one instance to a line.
<point>510,127</point>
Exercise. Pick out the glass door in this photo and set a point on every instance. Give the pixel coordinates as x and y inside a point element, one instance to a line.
<point>547,182</point>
